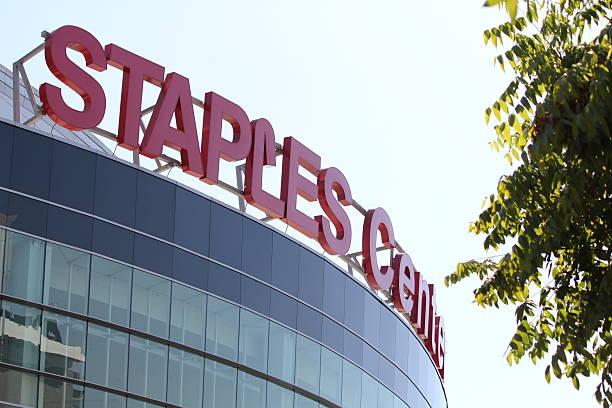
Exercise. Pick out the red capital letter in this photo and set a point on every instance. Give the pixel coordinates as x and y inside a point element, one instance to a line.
<point>420,310</point>
<point>263,152</point>
<point>214,147</point>
<point>441,342</point>
<point>430,334</point>
<point>77,79</point>
<point>403,283</point>
<point>296,154</point>
<point>330,180</point>
<point>174,99</point>
<point>136,70</point>
<point>377,220</point>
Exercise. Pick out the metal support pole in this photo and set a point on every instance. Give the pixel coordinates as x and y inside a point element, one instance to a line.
<point>16,95</point>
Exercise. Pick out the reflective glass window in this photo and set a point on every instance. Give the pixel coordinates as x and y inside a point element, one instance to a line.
<point>369,391</point>
<point>188,316</point>
<point>219,385</point>
<point>354,301</point>
<point>62,345</point>
<point>2,241</point>
<point>281,358</point>
<point>185,379</point>
<point>285,264</point>
<point>28,215</point>
<point>333,292</point>
<point>385,397</point>
<point>222,328</point>
<point>6,153</point>
<point>370,359</point>
<point>150,303</point>
<point>253,345</point>
<point>4,218</point>
<point>132,403</point>
<point>309,321</point>
<point>256,250</point>
<point>351,385</point>
<point>279,397</point>
<point>18,387</point>
<point>371,320</point>
<point>23,267</point>
<point>153,255</point>
<point>155,199</point>
<point>225,235</point>
<point>224,282</point>
<point>331,376</point>
<point>113,241</point>
<point>304,402</point>
<point>107,356</point>
<point>401,351</point>
<point>310,280</point>
<point>31,156</point>
<point>386,371</point>
<point>255,295</point>
<point>332,335</point>
<point>307,364</point>
<point>66,278</point>
<point>283,308</point>
<point>113,180</point>
<point>147,368</point>
<point>398,403</point>
<point>109,296</point>
<point>353,347</point>
<point>190,269</point>
<point>69,227</point>
<point>54,393</point>
<point>387,332</point>
<point>191,221</point>
<point>20,335</point>
<point>95,398</point>
<point>251,391</point>
<point>69,187</point>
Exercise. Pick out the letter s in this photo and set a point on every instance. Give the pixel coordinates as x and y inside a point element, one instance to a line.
<point>77,79</point>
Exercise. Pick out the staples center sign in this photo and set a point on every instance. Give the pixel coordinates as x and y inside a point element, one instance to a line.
<point>253,141</point>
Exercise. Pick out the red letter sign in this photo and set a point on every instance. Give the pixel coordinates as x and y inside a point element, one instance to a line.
<point>214,147</point>
<point>377,220</point>
<point>78,80</point>
<point>263,152</point>
<point>330,180</point>
<point>174,99</point>
<point>293,183</point>
<point>135,70</point>
<point>403,283</point>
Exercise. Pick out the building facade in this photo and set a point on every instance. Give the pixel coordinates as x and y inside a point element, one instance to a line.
<point>123,288</point>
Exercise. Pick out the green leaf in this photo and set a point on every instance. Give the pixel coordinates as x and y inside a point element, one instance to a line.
<point>576,382</point>
<point>547,374</point>
<point>511,7</point>
<point>490,3</point>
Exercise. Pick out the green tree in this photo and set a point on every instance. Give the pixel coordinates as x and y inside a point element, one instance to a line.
<point>554,211</point>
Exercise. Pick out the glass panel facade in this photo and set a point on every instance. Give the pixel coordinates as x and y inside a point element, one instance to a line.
<point>20,335</point>
<point>251,391</point>
<point>147,368</point>
<point>222,328</point>
<point>107,356</point>
<point>150,304</point>
<point>66,278</point>
<point>54,393</point>
<point>95,398</point>
<point>110,294</point>
<point>62,346</point>
<point>331,376</point>
<point>185,378</point>
<point>307,364</point>
<point>253,345</point>
<point>351,385</point>
<point>279,397</point>
<point>219,385</point>
<point>281,358</point>
<point>369,391</point>
<point>23,267</point>
<point>18,387</point>
<point>188,316</point>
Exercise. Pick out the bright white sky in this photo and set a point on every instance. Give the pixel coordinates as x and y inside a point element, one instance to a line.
<point>390,92</point>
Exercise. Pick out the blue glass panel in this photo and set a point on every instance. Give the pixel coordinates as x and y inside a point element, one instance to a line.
<point>283,308</point>
<point>333,335</point>
<point>66,278</point>
<point>23,267</point>
<point>148,363</point>
<point>113,241</point>
<point>31,163</point>
<point>69,227</point>
<point>188,316</point>
<point>6,152</point>
<point>353,347</point>
<point>150,304</point>
<point>309,321</point>
<point>255,295</point>
<point>351,385</point>
<point>354,309</point>
<point>251,391</point>
<point>333,292</point>
<point>285,264</point>
<point>185,379</point>
<point>281,357</point>
<point>27,215</point>
<point>225,235</point>
<point>370,360</point>
<point>155,206</point>
<point>371,320</point>
<point>257,250</point>
<point>219,385</point>
<point>387,332</point>
<point>222,328</point>
<point>190,269</point>
<point>69,186</point>
<point>310,282</point>
<point>115,195</point>
<point>253,344</point>
<point>153,255</point>
<point>224,282</point>
<point>307,364</point>
<point>192,221</point>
